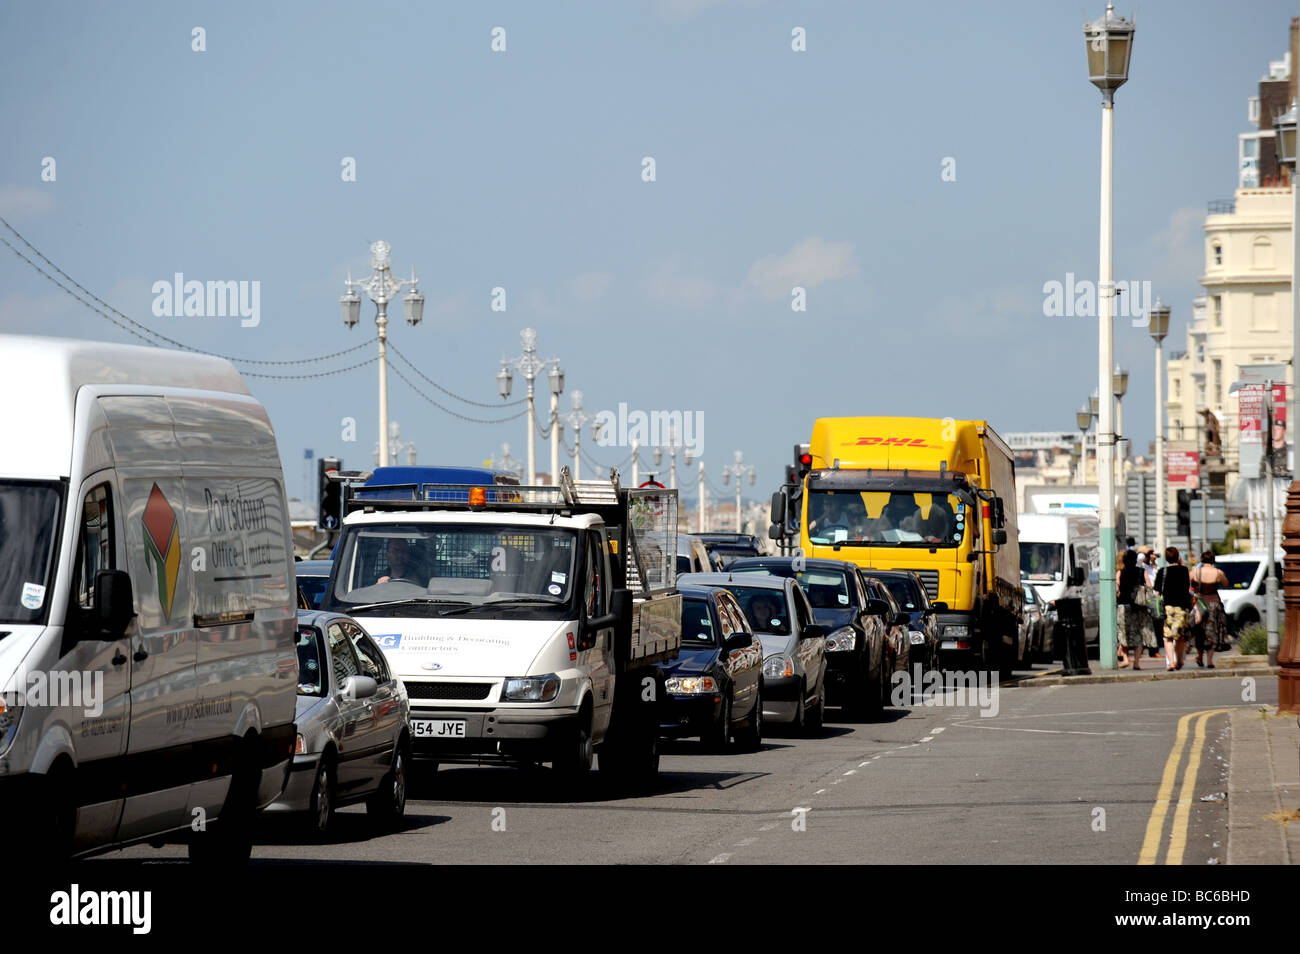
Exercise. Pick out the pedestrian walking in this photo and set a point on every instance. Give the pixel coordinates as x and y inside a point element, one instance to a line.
<point>1130,596</point>
<point>1173,583</point>
<point>1207,579</point>
<point>1150,637</point>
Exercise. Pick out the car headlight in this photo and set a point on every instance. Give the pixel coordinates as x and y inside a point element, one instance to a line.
<point>690,685</point>
<point>531,688</point>
<point>10,713</point>
<point>778,666</point>
<point>917,637</point>
<point>842,640</point>
<point>956,632</point>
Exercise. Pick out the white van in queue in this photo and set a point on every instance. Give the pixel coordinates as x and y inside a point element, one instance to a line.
<point>147,604</point>
<point>1244,601</point>
<point>1059,555</point>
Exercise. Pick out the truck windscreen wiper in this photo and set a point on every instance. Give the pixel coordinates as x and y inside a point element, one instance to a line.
<point>548,600</point>
<point>416,600</point>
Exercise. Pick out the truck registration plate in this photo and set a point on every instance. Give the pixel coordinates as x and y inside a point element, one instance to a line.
<point>438,728</point>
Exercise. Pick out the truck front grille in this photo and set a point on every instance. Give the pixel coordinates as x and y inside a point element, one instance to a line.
<point>931,580</point>
<point>448,690</point>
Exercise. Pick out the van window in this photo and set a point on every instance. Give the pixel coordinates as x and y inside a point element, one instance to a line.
<point>95,551</point>
<point>29,518</point>
<point>593,596</point>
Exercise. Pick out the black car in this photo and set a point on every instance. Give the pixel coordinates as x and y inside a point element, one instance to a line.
<point>725,547</point>
<point>313,577</point>
<point>715,683</point>
<point>860,655</point>
<point>909,593</point>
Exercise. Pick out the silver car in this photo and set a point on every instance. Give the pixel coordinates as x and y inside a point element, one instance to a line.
<point>354,719</point>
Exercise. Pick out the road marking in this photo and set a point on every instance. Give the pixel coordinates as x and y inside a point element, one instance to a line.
<point>1182,816</point>
<point>928,738</point>
<point>721,859</point>
<point>819,791</point>
<point>936,730</point>
<point>861,764</point>
<point>747,841</point>
<point>1156,821</point>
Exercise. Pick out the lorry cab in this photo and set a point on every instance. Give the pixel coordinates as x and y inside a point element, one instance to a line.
<point>147,599</point>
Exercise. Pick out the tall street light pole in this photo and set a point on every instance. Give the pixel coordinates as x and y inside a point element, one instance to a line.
<point>738,470</point>
<point>380,287</point>
<point>1158,316</point>
<point>529,365</point>
<point>577,419</point>
<point>1119,381</point>
<point>1109,41</point>
<point>1083,418</point>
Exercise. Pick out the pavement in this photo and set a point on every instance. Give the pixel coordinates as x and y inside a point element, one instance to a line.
<point>1226,664</point>
<point>1263,787</point>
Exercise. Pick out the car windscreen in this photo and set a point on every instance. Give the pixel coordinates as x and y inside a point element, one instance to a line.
<point>29,521</point>
<point>1042,561</point>
<point>697,624</point>
<point>826,588</point>
<point>906,593</point>
<point>886,518</point>
<point>420,565</point>
<point>1240,573</point>
<point>764,607</point>
<point>312,679</point>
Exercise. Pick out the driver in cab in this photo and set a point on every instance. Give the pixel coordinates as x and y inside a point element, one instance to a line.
<point>401,565</point>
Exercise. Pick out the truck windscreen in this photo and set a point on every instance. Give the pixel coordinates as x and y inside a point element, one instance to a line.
<point>457,564</point>
<point>886,518</point>
<point>29,521</point>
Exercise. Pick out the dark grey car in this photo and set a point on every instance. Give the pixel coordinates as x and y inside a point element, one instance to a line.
<point>353,720</point>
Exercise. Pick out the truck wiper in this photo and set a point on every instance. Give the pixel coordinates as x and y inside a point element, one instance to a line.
<point>361,607</point>
<point>550,601</point>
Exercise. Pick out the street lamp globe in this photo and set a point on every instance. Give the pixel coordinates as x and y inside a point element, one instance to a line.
<point>350,302</point>
<point>1083,418</point>
<point>1284,129</point>
<point>1158,314</point>
<point>505,381</point>
<point>413,303</point>
<point>556,378</point>
<point>1120,381</point>
<point>1094,403</point>
<point>1109,41</point>
<point>658,456</point>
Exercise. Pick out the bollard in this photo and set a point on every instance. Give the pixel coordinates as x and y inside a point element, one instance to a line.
<point>1070,637</point>
<point>1288,656</point>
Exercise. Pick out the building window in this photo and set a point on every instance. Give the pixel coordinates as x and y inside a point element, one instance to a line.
<point>1218,380</point>
<point>1178,389</point>
<point>1217,311</point>
<point>1216,253</point>
<point>1200,352</point>
<point>1261,253</point>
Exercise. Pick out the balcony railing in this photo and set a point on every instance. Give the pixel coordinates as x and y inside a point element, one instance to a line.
<point>1223,206</point>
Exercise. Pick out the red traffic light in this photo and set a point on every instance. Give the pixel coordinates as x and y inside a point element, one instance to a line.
<point>805,459</point>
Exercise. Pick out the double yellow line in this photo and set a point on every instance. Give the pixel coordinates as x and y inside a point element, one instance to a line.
<point>1183,811</point>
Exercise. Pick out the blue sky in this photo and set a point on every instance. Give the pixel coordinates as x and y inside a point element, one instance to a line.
<point>522,169</point>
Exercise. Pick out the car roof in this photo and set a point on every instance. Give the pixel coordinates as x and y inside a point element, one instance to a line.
<point>313,567</point>
<point>726,579</point>
<point>816,563</point>
<point>322,617</point>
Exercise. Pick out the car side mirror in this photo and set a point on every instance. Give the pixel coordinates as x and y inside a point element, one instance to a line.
<point>876,607</point>
<point>737,641</point>
<point>999,537</point>
<point>938,606</point>
<point>114,605</point>
<point>774,532</point>
<point>358,687</point>
<point>1076,576</point>
<point>620,607</point>
<point>813,631</point>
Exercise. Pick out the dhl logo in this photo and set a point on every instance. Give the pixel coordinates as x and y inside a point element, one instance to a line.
<point>890,441</point>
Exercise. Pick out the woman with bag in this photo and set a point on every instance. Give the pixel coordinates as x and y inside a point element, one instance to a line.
<point>1214,623</point>
<point>1130,587</point>
<point>1173,583</point>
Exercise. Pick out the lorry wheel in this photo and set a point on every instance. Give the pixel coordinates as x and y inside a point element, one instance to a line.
<point>750,738</point>
<point>573,761</point>
<point>388,804</point>
<point>716,737</point>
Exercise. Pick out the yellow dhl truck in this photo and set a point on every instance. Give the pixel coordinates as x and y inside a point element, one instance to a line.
<point>935,496</point>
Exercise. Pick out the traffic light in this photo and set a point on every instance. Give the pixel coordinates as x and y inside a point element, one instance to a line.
<point>1185,514</point>
<point>329,515</point>
<point>802,459</point>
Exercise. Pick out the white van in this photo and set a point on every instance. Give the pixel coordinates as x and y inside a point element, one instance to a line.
<point>1244,599</point>
<point>1059,555</point>
<point>147,602</point>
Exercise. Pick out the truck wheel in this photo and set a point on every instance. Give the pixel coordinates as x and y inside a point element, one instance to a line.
<point>750,738</point>
<point>717,736</point>
<point>572,762</point>
<point>388,804</point>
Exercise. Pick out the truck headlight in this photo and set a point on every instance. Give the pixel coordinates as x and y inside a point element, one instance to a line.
<point>778,666</point>
<point>842,640</point>
<point>956,632</point>
<point>690,685</point>
<point>10,713</point>
<point>531,688</point>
